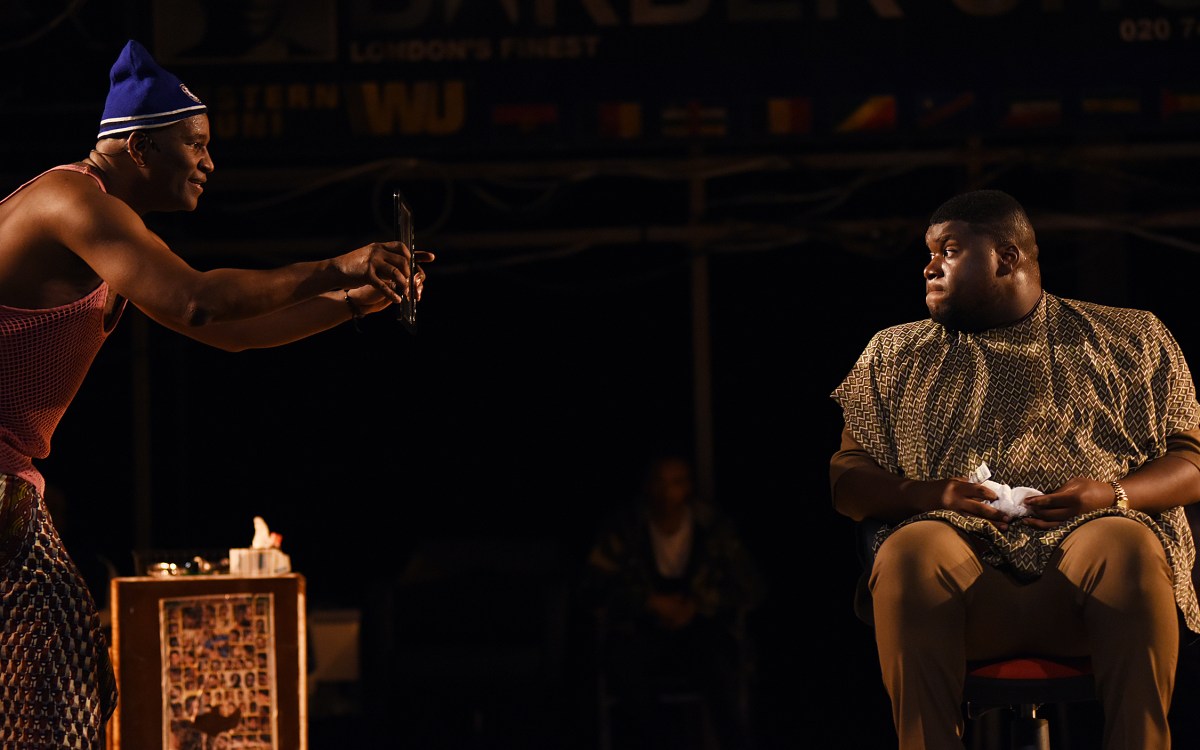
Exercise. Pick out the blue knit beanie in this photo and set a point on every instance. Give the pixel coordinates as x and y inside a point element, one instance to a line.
<point>143,95</point>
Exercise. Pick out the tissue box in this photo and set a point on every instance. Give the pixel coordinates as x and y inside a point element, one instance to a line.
<point>254,561</point>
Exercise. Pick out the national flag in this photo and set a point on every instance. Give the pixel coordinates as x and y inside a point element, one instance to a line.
<point>939,109</point>
<point>526,118</point>
<point>1110,105</point>
<point>1110,108</point>
<point>1032,112</point>
<point>789,116</point>
<point>875,114</point>
<point>1174,103</point>
<point>694,119</point>
<point>620,119</point>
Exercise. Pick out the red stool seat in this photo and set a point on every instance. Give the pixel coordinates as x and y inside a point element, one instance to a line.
<point>1024,684</point>
<point>1029,680</point>
<point>1032,668</point>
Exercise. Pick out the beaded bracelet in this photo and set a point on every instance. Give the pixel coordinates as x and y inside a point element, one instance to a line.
<point>355,314</point>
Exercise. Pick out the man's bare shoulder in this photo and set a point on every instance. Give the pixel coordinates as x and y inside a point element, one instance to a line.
<point>49,228</point>
<point>56,190</point>
<point>62,204</point>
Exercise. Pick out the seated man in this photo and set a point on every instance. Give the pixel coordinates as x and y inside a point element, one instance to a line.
<point>1093,406</point>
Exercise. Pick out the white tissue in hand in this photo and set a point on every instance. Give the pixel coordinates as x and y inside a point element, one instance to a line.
<point>1010,500</point>
<point>262,534</point>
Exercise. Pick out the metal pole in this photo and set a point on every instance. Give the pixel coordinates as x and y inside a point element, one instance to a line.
<point>701,348</point>
<point>140,374</point>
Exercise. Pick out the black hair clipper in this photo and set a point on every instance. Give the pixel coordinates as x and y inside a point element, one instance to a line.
<point>406,311</point>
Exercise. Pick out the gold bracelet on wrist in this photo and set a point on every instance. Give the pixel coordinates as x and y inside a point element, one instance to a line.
<point>1121,499</point>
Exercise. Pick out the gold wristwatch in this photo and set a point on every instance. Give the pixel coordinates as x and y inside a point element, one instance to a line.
<point>1122,500</point>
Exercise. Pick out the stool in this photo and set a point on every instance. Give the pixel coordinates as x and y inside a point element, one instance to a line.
<point>1024,685</point>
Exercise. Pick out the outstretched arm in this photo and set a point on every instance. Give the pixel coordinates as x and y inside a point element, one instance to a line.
<point>114,241</point>
<point>291,323</point>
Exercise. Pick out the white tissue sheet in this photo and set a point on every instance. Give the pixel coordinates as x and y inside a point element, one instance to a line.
<point>262,534</point>
<point>1010,500</point>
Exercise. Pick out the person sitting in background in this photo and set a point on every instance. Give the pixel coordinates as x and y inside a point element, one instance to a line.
<point>670,580</point>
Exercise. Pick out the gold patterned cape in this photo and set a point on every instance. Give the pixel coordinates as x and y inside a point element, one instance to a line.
<point>1073,389</point>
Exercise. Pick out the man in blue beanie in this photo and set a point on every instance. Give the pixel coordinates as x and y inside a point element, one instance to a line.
<point>74,249</point>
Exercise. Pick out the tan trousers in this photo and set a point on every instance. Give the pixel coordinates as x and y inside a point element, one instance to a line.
<point>1107,593</point>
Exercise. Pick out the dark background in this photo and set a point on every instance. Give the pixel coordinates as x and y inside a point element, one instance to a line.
<point>706,275</point>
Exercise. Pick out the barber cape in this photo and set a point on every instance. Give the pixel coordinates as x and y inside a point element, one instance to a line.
<point>1073,389</point>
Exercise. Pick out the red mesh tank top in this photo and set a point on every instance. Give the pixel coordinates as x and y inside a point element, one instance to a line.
<point>44,356</point>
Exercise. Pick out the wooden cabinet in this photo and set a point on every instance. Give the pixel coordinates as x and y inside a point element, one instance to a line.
<point>209,661</point>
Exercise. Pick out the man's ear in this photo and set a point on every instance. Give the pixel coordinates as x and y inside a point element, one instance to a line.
<point>136,146</point>
<point>1010,256</point>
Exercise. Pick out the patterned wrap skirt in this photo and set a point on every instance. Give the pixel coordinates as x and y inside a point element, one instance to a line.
<point>57,688</point>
